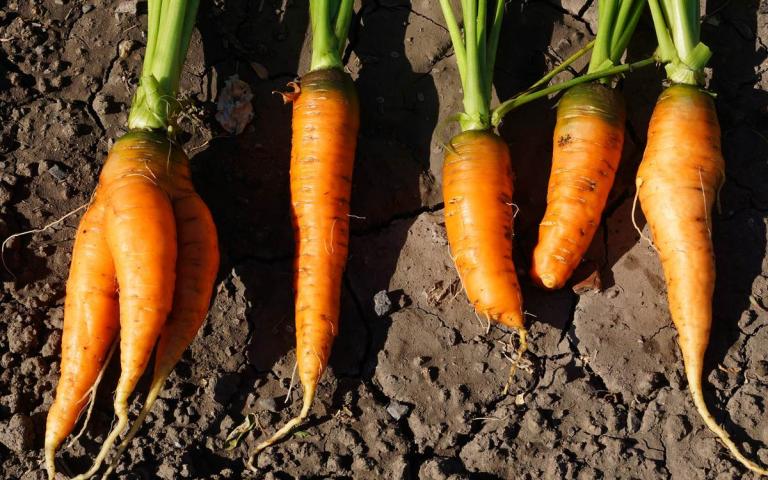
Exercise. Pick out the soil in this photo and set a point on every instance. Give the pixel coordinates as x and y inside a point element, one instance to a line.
<point>414,388</point>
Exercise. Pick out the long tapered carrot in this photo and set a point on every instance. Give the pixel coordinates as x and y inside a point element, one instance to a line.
<point>325,125</point>
<point>677,182</point>
<point>479,223</point>
<point>588,139</point>
<point>90,326</point>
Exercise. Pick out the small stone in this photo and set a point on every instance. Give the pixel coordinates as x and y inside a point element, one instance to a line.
<point>397,410</point>
<point>267,403</point>
<point>382,305</point>
<point>87,8</point>
<point>58,172</point>
<point>125,48</point>
<point>129,7</point>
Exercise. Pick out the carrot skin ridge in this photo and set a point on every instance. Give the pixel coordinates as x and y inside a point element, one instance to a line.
<point>586,151</point>
<point>678,180</point>
<point>477,190</point>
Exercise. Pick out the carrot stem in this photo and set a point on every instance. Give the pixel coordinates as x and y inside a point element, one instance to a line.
<point>456,39</point>
<point>169,30</point>
<point>677,30</point>
<point>330,21</point>
<point>511,104</point>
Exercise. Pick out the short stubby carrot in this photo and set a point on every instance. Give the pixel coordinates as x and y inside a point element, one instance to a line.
<point>678,182</point>
<point>479,216</point>
<point>586,151</point>
<point>90,326</point>
<point>325,124</point>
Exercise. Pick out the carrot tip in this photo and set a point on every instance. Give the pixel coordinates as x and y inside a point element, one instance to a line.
<point>521,349</point>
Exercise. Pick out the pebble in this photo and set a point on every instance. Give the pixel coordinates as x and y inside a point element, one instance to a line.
<point>267,403</point>
<point>382,304</point>
<point>397,410</point>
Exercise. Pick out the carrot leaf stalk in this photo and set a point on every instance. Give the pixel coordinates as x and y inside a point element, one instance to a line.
<point>169,28</point>
<point>677,182</point>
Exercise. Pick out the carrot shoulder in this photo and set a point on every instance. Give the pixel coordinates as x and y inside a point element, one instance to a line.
<point>678,181</point>
<point>588,140</point>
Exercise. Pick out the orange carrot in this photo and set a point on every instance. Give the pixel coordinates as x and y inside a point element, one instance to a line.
<point>196,268</point>
<point>588,139</point>
<point>677,183</point>
<point>479,223</point>
<point>325,125</point>
<point>90,326</point>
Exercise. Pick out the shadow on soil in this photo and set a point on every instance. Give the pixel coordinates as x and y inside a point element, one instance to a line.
<point>739,229</point>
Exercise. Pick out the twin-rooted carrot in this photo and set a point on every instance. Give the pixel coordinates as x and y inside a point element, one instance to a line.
<point>146,252</point>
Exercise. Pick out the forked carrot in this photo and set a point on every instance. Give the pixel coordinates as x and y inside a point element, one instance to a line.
<point>146,248</point>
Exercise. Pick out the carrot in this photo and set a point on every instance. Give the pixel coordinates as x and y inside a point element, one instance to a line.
<point>479,223</point>
<point>90,326</point>
<point>325,125</point>
<point>146,225</point>
<point>586,151</point>
<point>477,178</point>
<point>677,183</point>
<point>587,147</point>
<point>196,268</point>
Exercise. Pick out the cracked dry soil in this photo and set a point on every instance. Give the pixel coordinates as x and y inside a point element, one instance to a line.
<point>415,393</point>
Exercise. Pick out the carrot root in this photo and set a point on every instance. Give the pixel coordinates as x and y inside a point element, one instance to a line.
<point>677,181</point>
<point>521,349</point>
<point>309,396</point>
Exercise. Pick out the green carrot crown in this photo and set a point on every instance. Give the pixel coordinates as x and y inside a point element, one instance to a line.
<point>678,29</point>
<point>154,106</point>
<point>330,26</point>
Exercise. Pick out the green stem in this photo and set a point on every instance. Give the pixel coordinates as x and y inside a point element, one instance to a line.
<point>601,54</point>
<point>562,67</point>
<point>325,48</point>
<point>625,27</point>
<point>493,46</point>
<point>667,50</point>
<point>476,108</point>
<point>456,40</point>
<point>343,19</point>
<point>506,107</point>
<point>169,30</point>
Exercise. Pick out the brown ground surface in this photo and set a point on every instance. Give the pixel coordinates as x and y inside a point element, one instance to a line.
<point>415,393</point>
